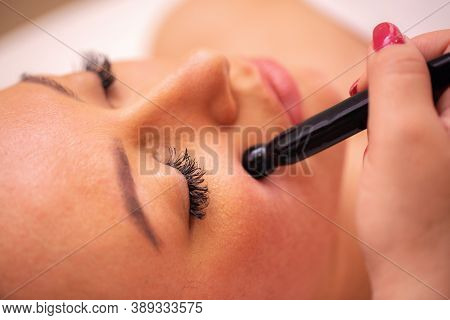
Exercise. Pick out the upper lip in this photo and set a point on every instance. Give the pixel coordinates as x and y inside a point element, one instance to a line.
<point>282,85</point>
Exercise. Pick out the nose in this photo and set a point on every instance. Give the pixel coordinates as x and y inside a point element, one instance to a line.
<point>198,93</point>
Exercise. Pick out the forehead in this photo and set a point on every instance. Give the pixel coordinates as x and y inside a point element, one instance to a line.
<point>51,145</point>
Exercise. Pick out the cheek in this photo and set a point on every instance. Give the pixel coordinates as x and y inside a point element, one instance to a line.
<point>260,242</point>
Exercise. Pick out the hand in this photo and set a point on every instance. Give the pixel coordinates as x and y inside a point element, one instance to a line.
<point>403,209</point>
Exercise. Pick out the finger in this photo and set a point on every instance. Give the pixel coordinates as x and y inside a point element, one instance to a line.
<point>400,94</point>
<point>443,107</point>
<point>431,45</point>
<point>361,83</point>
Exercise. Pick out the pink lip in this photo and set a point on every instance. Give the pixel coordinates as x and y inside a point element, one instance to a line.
<point>283,86</point>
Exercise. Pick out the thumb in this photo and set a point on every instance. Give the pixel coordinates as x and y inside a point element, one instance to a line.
<point>400,94</point>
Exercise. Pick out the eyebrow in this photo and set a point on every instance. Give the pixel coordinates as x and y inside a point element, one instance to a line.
<point>129,195</point>
<point>51,83</point>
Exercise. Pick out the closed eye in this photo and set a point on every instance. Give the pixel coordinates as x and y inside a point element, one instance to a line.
<point>193,173</point>
<point>101,66</point>
<point>93,62</point>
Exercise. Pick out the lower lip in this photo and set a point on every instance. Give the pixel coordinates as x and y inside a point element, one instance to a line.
<point>283,86</point>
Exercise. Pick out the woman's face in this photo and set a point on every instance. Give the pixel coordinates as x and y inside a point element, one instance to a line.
<point>89,209</point>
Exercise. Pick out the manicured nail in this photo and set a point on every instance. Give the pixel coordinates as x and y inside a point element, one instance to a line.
<point>385,34</point>
<point>354,88</point>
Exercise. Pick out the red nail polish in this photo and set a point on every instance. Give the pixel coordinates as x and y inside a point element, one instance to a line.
<point>385,34</point>
<point>354,88</point>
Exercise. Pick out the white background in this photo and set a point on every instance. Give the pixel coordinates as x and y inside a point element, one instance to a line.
<point>123,29</point>
<point>278,310</point>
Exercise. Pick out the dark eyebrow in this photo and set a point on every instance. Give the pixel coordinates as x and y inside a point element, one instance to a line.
<point>127,185</point>
<point>51,83</point>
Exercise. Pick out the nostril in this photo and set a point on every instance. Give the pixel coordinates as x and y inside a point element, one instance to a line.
<point>208,76</point>
<point>198,92</point>
<point>224,109</point>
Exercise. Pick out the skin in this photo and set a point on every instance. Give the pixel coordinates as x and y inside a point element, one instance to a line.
<point>409,141</point>
<point>321,54</point>
<point>49,210</point>
<point>62,195</point>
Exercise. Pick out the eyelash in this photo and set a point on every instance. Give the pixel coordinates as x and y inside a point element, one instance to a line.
<point>190,169</point>
<point>184,163</point>
<point>100,65</point>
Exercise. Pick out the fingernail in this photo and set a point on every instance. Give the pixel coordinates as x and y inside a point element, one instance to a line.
<point>354,88</point>
<point>385,34</point>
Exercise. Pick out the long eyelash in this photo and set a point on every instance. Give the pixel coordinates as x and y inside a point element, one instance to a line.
<point>100,64</point>
<point>198,192</point>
